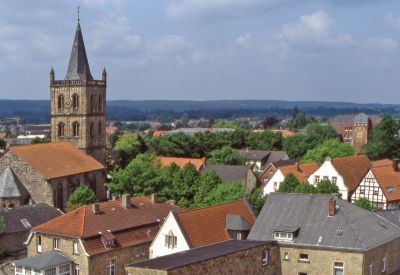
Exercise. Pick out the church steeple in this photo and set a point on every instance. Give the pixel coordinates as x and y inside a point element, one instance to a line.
<point>78,68</point>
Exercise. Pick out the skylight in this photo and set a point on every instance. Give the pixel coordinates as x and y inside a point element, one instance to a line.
<point>390,189</point>
<point>26,223</point>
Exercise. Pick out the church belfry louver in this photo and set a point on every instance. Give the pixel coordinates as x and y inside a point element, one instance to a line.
<point>78,104</point>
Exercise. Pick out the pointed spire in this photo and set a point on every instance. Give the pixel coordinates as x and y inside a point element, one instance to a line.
<point>78,68</point>
<point>104,74</point>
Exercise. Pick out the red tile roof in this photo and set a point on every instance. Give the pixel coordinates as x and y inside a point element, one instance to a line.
<point>57,159</point>
<point>166,161</point>
<point>206,226</point>
<point>159,133</point>
<point>387,178</point>
<point>83,223</point>
<point>352,169</point>
<point>301,171</point>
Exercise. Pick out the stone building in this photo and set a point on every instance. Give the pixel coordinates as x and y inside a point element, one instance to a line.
<point>50,172</point>
<point>12,192</point>
<point>78,104</point>
<point>319,234</point>
<point>100,238</point>
<point>228,257</point>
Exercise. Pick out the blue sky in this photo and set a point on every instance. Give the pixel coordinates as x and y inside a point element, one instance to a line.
<point>332,50</point>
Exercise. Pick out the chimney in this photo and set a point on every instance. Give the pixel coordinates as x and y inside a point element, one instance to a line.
<point>126,201</point>
<point>96,208</point>
<point>395,165</point>
<point>331,207</point>
<point>154,198</point>
<point>297,167</point>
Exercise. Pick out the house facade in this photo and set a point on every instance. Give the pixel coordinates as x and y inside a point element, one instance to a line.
<point>346,173</point>
<point>301,171</point>
<point>101,238</point>
<point>271,168</point>
<point>260,159</point>
<point>321,234</point>
<point>180,161</point>
<point>380,185</point>
<point>202,227</point>
<point>50,172</point>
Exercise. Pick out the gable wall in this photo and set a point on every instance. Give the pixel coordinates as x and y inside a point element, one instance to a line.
<point>277,178</point>
<point>370,189</point>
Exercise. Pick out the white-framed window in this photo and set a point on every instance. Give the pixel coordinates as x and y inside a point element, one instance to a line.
<point>334,180</point>
<point>37,272</point>
<point>286,255</point>
<point>265,258</point>
<point>75,247</point>
<point>76,269</point>
<point>39,243</point>
<point>384,261</point>
<point>362,190</point>
<point>56,244</point>
<point>171,241</point>
<point>19,270</point>
<point>303,257</point>
<point>239,236</point>
<point>338,268</point>
<point>64,269</point>
<point>111,268</point>
<point>140,251</point>
<point>283,236</point>
<point>316,179</point>
<point>50,271</point>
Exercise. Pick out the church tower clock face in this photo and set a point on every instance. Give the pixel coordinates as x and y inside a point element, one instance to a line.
<point>78,104</point>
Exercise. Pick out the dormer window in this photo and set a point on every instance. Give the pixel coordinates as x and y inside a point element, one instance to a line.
<point>285,233</point>
<point>171,241</point>
<point>283,236</point>
<point>110,243</point>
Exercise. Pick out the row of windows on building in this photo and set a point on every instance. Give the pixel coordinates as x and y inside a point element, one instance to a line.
<point>94,105</point>
<point>317,179</point>
<point>76,129</point>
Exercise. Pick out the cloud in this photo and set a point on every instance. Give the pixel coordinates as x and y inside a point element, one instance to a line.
<point>385,43</point>
<point>393,21</point>
<point>244,39</point>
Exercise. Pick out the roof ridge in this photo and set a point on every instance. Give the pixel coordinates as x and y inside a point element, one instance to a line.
<point>210,206</point>
<point>355,231</point>
<point>83,221</point>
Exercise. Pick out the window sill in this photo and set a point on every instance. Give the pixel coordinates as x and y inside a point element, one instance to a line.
<point>303,261</point>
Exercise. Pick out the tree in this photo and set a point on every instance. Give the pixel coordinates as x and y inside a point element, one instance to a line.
<point>289,184</point>
<point>257,199</point>
<point>299,120</point>
<point>385,140</point>
<point>224,193</point>
<point>326,187</point>
<point>128,147</point>
<point>269,121</point>
<point>37,140</point>
<point>364,203</point>
<point>207,182</point>
<point>225,155</point>
<point>330,148</point>
<point>81,196</point>
<point>185,185</point>
<point>3,144</point>
<point>305,188</point>
<point>265,140</point>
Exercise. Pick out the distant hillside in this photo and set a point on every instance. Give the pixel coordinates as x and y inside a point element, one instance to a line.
<point>34,111</point>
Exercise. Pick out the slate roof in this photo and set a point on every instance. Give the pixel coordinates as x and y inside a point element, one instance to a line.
<point>35,214</point>
<point>228,173</point>
<point>43,261</point>
<point>342,119</point>
<point>351,227</point>
<point>180,161</point>
<point>361,119</point>
<point>78,68</point>
<point>10,185</point>
<point>57,159</point>
<point>254,154</point>
<point>205,226</point>
<point>197,255</point>
<point>237,223</point>
<point>392,215</point>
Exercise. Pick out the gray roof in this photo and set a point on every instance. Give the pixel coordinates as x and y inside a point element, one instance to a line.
<point>342,119</point>
<point>361,119</point>
<point>10,185</point>
<point>236,222</point>
<point>34,214</point>
<point>78,68</point>
<point>351,227</point>
<point>43,261</point>
<point>254,154</point>
<point>392,215</point>
<point>197,255</point>
<point>228,173</point>
<point>192,131</point>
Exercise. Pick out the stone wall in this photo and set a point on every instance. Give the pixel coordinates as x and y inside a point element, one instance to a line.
<point>14,242</point>
<point>375,257</point>
<point>242,262</point>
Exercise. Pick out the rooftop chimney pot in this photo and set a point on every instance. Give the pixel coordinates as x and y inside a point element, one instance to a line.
<point>96,208</point>
<point>126,201</point>
<point>154,198</point>
<point>332,207</point>
<point>395,165</point>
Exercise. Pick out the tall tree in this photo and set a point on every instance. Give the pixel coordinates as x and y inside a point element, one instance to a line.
<point>225,155</point>
<point>81,196</point>
<point>265,140</point>
<point>330,148</point>
<point>364,203</point>
<point>326,187</point>
<point>128,147</point>
<point>289,184</point>
<point>224,193</point>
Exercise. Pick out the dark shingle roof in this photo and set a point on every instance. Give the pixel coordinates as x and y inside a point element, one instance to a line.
<point>351,227</point>
<point>361,119</point>
<point>44,260</point>
<point>34,214</point>
<point>236,222</point>
<point>196,255</point>
<point>392,215</point>
<point>228,173</point>
<point>78,68</point>
<point>10,185</point>
<point>254,154</point>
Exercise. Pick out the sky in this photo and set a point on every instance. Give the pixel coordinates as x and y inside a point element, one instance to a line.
<point>329,50</point>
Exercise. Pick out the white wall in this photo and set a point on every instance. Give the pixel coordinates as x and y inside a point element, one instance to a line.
<point>158,248</point>
<point>277,178</point>
<point>328,170</point>
<point>369,184</point>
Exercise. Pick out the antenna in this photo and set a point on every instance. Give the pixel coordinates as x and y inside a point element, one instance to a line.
<point>78,14</point>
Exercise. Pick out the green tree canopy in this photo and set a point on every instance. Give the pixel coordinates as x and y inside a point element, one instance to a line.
<point>326,187</point>
<point>39,140</point>
<point>225,155</point>
<point>224,193</point>
<point>364,203</point>
<point>330,148</point>
<point>129,146</point>
<point>265,140</point>
<point>81,196</point>
<point>289,184</point>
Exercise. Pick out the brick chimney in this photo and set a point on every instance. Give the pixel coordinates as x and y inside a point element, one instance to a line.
<point>154,198</point>
<point>395,165</point>
<point>96,208</point>
<point>126,201</point>
<point>332,207</point>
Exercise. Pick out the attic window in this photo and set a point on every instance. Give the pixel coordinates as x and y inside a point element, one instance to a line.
<point>171,241</point>
<point>26,223</point>
<point>339,232</point>
<point>110,243</point>
<point>390,189</point>
<point>283,236</point>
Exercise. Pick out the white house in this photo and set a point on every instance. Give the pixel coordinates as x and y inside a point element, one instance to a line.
<point>201,227</point>
<point>346,173</point>
<point>300,171</point>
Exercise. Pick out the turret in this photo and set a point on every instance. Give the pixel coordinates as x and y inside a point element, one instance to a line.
<point>104,75</point>
<point>52,77</point>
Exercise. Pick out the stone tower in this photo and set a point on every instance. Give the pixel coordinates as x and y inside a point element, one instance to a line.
<point>361,130</point>
<point>78,104</point>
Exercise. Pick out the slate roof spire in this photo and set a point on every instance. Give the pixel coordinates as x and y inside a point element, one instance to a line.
<point>78,68</point>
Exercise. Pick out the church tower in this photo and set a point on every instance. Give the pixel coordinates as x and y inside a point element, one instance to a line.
<point>78,104</point>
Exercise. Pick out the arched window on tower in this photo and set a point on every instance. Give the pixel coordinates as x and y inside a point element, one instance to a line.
<point>100,107</point>
<point>92,103</point>
<point>91,129</point>
<point>100,128</point>
<point>61,129</point>
<point>75,101</point>
<point>75,129</point>
<point>60,102</point>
